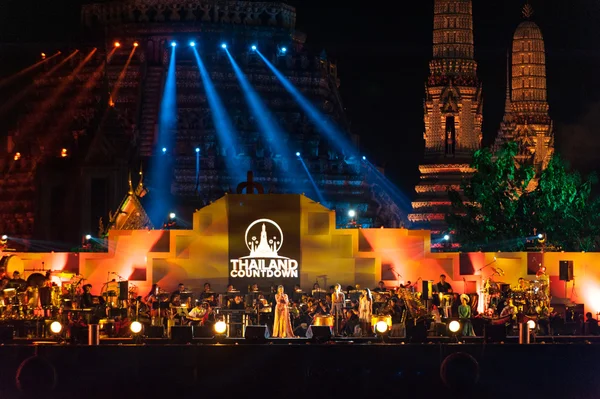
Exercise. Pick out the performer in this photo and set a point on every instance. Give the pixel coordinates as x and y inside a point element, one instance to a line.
<point>87,299</point>
<point>443,287</point>
<point>338,299</point>
<point>196,315</point>
<point>464,313</point>
<point>282,327</point>
<point>365,309</point>
<point>380,287</point>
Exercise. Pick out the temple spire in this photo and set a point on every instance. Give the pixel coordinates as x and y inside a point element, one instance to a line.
<point>130,184</point>
<point>527,11</point>
<point>507,102</point>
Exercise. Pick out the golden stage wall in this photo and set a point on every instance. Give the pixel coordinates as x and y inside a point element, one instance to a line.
<point>345,256</point>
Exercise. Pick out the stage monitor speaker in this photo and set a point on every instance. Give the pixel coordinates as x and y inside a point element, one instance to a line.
<point>182,334</point>
<point>45,296</point>
<point>565,270</point>
<point>155,332</point>
<point>494,333</point>
<point>427,289</point>
<point>203,332</point>
<point>6,333</point>
<point>319,333</point>
<point>257,332</point>
<point>123,290</point>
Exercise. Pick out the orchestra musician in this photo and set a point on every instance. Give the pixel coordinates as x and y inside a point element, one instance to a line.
<point>338,300</point>
<point>196,315</point>
<point>87,299</point>
<point>380,287</point>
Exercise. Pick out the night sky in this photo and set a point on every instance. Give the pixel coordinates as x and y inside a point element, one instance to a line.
<point>382,50</point>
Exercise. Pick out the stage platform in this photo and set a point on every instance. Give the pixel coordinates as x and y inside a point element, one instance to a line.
<point>561,367</point>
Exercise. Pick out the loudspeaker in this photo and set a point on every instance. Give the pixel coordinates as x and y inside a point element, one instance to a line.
<point>494,333</point>
<point>257,332</point>
<point>321,333</point>
<point>155,332</point>
<point>45,296</point>
<point>182,334</point>
<point>6,333</point>
<point>203,332</point>
<point>123,290</point>
<point>565,270</point>
<point>427,289</point>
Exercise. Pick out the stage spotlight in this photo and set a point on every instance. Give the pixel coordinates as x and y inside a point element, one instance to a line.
<point>223,45</point>
<point>4,237</point>
<point>56,327</point>
<point>17,156</point>
<point>446,237</point>
<point>192,44</point>
<point>381,327</point>
<point>63,153</point>
<point>135,44</point>
<point>172,215</point>
<point>454,326</point>
<point>197,149</point>
<point>364,158</point>
<point>164,149</point>
<point>173,44</point>
<point>531,324</point>
<point>351,213</point>
<point>43,56</point>
<point>117,44</point>
<point>253,48</point>
<point>283,49</point>
<point>540,236</point>
<point>297,154</point>
<point>136,327</point>
<point>88,236</point>
<point>220,327</point>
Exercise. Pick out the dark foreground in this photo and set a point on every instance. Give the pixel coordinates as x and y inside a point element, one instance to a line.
<point>303,369</point>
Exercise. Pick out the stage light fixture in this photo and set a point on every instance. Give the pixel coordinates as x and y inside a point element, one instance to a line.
<point>43,55</point>
<point>135,327</point>
<point>351,213</point>
<point>17,156</point>
<point>164,149</point>
<point>297,154</point>
<point>64,153</point>
<point>224,46</point>
<point>197,149</point>
<point>117,44</point>
<point>253,48</point>
<point>173,44</point>
<point>364,158</point>
<point>4,237</point>
<point>220,327</point>
<point>283,49</point>
<point>381,327</point>
<point>172,215</point>
<point>192,44</point>
<point>540,236</point>
<point>446,237</point>
<point>135,44</point>
<point>88,236</point>
<point>531,324</point>
<point>454,326</point>
<point>56,327</point>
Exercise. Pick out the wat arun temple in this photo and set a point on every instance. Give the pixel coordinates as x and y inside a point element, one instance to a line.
<point>92,168</point>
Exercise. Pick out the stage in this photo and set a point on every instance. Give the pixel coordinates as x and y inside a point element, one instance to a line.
<point>302,368</point>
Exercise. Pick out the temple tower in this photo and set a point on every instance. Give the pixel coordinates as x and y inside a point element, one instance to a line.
<point>452,112</point>
<point>530,124</point>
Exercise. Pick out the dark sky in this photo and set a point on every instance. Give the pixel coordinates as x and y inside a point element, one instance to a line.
<point>382,50</point>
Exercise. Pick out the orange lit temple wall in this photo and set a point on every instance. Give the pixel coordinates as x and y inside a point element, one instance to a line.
<point>346,256</point>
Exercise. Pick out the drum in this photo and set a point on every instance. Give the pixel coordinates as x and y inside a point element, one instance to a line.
<point>323,320</point>
<point>36,280</point>
<point>11,263</point>
<point>22,298</point>
<point>55,296</point>
<point>377,319</point>
<point>107,328</point>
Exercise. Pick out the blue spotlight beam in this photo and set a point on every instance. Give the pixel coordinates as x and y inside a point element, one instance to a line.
<point>223,126</point>
<point>265,121</point>
<point>323,123</point>
<point>160,169</point>
<point>312,181</point>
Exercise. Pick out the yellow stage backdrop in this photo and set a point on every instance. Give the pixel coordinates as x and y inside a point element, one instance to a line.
<point>327,256</point>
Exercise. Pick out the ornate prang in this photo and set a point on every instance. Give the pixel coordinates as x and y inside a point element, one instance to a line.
<point>528,11</point>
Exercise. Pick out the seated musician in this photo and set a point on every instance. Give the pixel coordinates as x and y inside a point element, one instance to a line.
<point>443,288</point>
<point>196,315</point>
<point>380,287</point>
<point>17,282</point>
<point>397,311</point>
<point>4,283</point>
<point>230,288</point>
<point>180,290</point>
<point>254,288</point>
<point>87,299</point>
<point>237,303</point>
<point>351,324</point>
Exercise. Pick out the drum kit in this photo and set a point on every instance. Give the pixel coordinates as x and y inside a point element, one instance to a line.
<point>527,297</point>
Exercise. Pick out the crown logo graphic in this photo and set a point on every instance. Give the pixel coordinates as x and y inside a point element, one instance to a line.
<point>266,244</point>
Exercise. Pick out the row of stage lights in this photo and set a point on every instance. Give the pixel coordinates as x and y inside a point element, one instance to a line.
<point>193,44</point>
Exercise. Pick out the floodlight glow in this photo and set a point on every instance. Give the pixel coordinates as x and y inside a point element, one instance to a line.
<point>117,44</point>
<point>135,44</point>
<point>364,158</point>
<point>531,324</point>
<point>88,236</point>
<point>454,326</point>
<point>283,49</point>
<point>173,44</point>
<point>297,154</point>
<point>253,48</point>
<point>446,237</point>
<point>4,237</point>
<point>197,149</point>
<point>223,45</point>
<point>540,236</point>
<point>192,43</point>
<point>164,149</point>
<point>172,215</point>
<point>56,327</point>
<point>220,327</point>
<point>136,327</point>
<point>381,327</point>
<point>351,213</point>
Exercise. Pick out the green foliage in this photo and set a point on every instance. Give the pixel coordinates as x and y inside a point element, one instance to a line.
<point>502,205</point>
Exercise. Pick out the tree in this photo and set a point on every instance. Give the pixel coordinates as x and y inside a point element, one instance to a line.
<point>498,210</point>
